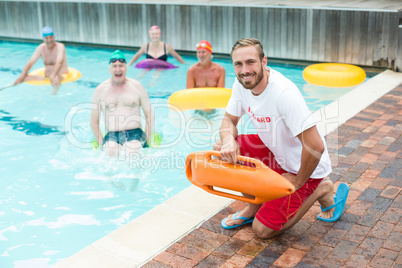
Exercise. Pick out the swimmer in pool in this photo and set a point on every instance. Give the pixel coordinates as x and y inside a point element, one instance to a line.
<point>54,57</point>
<point>120,99</point>
<point>155,49</point>
<point>205,73</point>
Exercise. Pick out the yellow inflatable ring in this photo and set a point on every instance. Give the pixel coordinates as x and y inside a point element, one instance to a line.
<point>334,75</point>
<point>72,75</point>
<point>201,98</point>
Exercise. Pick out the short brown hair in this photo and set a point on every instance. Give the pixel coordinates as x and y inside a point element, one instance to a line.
<point>245,42</point>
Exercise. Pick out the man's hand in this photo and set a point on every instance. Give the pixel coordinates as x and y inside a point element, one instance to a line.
<point>54,80</point>
<point>230,149</point>
<point>19,80</point>
<point>292,178</point>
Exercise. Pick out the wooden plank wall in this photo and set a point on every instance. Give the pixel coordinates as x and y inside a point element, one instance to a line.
<point>361,37</point>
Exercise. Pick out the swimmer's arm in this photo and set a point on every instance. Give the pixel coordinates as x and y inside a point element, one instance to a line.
<point>95,117</point>
<point>146,107</point>
<point>35,56</point>
<point>221,81</point>
<point>137,55</point>
<point>61,52</point>
<point>174,54</point>
<point>190,83</point>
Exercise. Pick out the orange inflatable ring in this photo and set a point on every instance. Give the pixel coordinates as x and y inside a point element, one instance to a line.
<point>72,75</point>
<point>260,181</point>
<point>201,98</point>
<point>334,75</point>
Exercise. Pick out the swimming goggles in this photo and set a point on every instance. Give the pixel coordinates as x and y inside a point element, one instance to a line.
<point>203,45</point>
<point>120,60</point>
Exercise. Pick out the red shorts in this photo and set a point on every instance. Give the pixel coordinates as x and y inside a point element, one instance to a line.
<point>274,214</point>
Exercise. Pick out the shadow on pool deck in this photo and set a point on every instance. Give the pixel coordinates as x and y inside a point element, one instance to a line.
<point>366,154</point>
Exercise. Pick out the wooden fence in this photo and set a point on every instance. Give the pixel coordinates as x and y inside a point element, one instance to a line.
<point>361,37</point>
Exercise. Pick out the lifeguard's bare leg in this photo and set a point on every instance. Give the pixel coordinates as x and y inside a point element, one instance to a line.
<point>250,210</point>
<point>323,194</point>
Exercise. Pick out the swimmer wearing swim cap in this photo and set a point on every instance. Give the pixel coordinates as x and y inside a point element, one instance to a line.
<point>118,68</point>
<point>120,99</point>
<point>205,73</point>
<point>117,56</point>
<point>204,44</point>
<point>156,49</point>
<point>47,31</point>
<point>155,27</point>
<point>54,58</point>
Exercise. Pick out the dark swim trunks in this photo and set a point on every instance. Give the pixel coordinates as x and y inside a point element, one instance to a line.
<point>124,136</point>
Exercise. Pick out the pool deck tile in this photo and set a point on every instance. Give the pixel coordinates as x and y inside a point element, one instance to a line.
<point>367,148</point>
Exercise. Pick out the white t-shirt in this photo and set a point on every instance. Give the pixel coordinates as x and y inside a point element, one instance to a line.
<point>279,114</point>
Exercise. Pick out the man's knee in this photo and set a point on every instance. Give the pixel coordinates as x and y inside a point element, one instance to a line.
<point>262,231</point>
<point>323,188</point>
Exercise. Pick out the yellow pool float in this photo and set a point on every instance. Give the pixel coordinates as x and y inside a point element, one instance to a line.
<point>334,75</point>
<point>201,98</point>
<point>73,75</point>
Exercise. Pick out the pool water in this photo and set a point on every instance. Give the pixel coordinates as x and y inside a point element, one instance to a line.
<point>57,194</point>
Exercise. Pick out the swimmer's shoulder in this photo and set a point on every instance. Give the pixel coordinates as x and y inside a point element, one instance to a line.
<point>60,45</point>
<point>143,48</point>
<point>134,82</point>
<point>40,48</point>
<point>100,90</point>
<point>194,67</point>
<point>136,87</point>
<point>217,66</point>
<point>105,84</point>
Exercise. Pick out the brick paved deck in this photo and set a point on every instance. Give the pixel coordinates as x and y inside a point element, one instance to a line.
<point>366,154</point>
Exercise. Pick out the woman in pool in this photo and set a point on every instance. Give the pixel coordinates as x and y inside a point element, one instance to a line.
<point>156,49</point>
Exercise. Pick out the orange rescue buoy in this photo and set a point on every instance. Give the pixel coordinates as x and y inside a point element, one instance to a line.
<point>260,181</point>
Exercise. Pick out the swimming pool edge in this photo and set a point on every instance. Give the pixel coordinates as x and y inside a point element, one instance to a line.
<point>331,116</point>
<point>139,240</point>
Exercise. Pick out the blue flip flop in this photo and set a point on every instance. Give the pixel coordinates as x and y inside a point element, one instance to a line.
<point>340,201</point>
<point>245,221</point>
